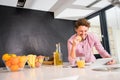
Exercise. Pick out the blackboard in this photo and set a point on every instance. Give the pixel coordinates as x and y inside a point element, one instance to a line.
<point>25,31</point>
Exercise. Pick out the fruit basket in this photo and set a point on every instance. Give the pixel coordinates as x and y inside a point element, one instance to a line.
<point>35,61</point>
<point>14,62</point>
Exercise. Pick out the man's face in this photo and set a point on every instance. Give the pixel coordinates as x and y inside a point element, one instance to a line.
<point>82,31</point>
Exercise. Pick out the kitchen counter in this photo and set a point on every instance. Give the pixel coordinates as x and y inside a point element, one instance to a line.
<point>49,72</point>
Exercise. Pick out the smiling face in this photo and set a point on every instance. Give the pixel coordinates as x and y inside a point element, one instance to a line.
<point>81,28</point>
<point>82,31</point>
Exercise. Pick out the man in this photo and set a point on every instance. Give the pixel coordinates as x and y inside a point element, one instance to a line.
<point>82,43</point>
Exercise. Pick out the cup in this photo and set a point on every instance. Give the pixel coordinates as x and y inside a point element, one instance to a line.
<point>80,62</point>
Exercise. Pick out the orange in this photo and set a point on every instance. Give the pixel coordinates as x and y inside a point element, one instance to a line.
<point>6,56</point>
<point>14,67</point>
<point>22,59</point>
<point>21,64</point>
<point>13,55</point>
<point>8,63</point>
<point>14,60</point>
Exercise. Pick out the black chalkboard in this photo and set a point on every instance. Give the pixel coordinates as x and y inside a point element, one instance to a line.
<point>25,31</point>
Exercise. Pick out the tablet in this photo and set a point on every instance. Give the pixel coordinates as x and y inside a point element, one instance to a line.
<point>102,61</point>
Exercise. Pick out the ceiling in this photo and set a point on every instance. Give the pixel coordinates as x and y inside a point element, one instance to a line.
<point>63,9</point>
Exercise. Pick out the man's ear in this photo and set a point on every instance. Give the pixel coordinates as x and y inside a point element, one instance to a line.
<point>75,30</point>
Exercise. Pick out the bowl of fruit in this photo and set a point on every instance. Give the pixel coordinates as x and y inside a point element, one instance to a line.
<point>39,61</point>
<point>34,60</point>
<point>14,62</point>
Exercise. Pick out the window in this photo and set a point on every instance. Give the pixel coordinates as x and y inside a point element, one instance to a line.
<point>95,28</point>
<point>113,24</point>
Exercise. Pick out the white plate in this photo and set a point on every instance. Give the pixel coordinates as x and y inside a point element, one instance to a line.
<point>109,68</point>
<point>88,64</point>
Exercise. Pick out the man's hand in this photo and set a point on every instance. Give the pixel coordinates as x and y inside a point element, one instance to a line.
<point>76,40</point>
<point>111,62</point>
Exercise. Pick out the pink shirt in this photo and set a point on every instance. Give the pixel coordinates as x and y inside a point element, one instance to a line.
<point>86,48</point>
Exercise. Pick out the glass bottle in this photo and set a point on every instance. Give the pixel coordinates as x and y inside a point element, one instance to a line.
<point>60,54</point>
<point>56,56</point>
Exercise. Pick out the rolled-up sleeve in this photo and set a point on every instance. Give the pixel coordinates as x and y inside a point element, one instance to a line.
<point>100,48</point>
<point>69,46</point>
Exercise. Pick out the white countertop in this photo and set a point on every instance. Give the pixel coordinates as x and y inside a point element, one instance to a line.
<point>46,72</point>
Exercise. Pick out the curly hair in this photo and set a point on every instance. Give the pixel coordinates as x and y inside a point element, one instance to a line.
<point>82,22</point>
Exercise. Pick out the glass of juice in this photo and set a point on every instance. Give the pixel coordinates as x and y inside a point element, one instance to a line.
<point>80,62</point>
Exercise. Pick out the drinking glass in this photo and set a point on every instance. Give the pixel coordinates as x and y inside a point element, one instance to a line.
<point>80,62</point>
